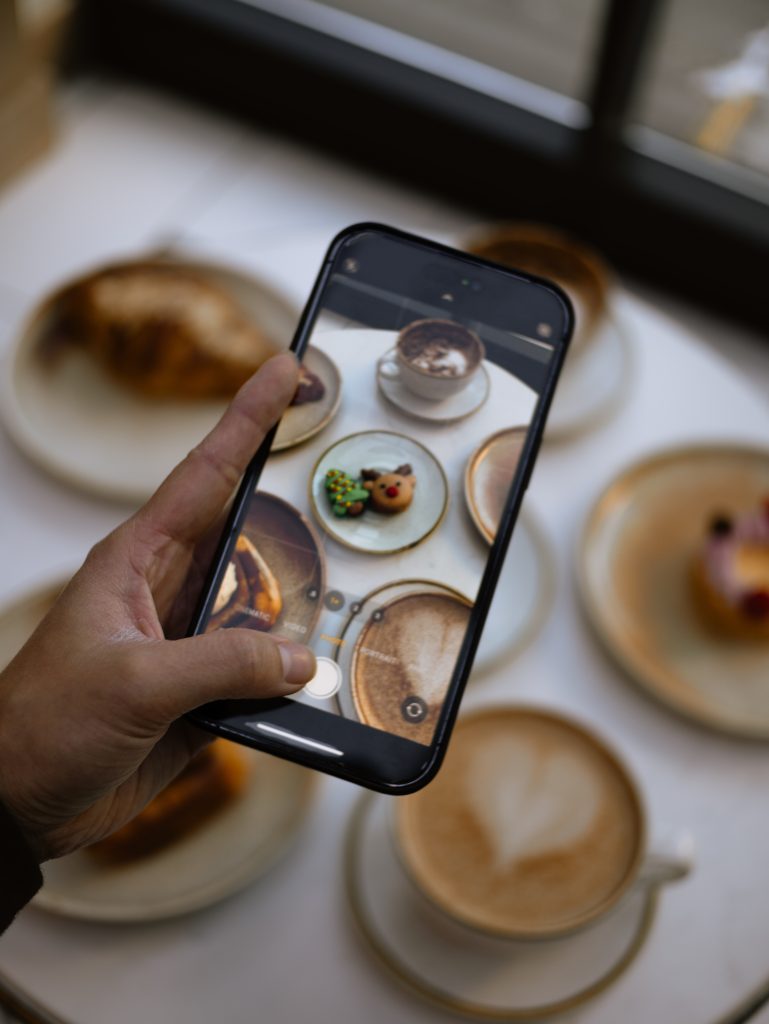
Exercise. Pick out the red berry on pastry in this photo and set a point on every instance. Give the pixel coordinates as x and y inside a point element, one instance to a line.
<point>755,604</point>
<point>721,526</point>
<point>731,574</point>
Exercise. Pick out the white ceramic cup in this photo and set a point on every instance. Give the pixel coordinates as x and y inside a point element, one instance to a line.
<point>651,865</point>
<point>435,384</point>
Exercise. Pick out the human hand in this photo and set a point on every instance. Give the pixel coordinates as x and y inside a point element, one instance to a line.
<point>90,707</point>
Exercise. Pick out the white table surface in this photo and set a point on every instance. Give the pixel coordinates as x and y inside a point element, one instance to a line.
<point>285,950</point>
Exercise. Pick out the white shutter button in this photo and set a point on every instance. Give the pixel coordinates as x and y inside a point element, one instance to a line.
<point>326,681</point>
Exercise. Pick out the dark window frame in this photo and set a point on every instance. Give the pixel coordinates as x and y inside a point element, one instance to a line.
<point>655,219</point>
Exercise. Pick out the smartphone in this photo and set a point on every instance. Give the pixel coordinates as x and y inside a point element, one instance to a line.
<point>373,522</point>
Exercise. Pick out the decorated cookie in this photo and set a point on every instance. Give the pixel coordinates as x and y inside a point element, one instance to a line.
<point>390,492</point>
<point>731,574</point>
<point>348,497</point>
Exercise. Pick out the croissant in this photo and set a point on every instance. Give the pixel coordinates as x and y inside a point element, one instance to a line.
<point>163,331</point>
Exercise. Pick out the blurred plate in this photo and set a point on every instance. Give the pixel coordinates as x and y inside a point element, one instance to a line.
<point>89,431</point>
<point>593,384</point>
<point>476,975</point>
<point>292,549</point>
<point>522,599</point>
<point>301,422</point>
<point>633,568</point>
<point>378,533</point>
<point>225,854</point>
<point>20,618</point>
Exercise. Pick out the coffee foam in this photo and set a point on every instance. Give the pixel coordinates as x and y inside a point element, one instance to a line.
<point>411,652</point>
<point>528,807</point>
<point>529,827</point>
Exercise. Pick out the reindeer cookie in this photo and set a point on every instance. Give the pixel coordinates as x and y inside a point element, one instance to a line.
<point>390,492</point>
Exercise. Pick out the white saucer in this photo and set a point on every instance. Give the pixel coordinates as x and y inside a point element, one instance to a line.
<point>522,599</point>
<point>481,977</point>
<point>593,385</point>
<point>447,410</point>
<point>224,855</point>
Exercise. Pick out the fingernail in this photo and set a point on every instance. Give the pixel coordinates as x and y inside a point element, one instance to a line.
<point>298,663</point>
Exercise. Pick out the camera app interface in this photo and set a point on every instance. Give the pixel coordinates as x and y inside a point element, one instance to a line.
<point>369,532</point>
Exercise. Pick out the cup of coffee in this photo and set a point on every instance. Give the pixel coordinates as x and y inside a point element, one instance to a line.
<point>434,359</point>
<point>555,255</point>
<point>533,829</point>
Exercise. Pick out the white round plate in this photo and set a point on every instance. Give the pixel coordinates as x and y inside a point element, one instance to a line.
<point>20,618</point>
<point>593,384</point>
<point>481,977</point>
<point>377,533</point>
<point>301,422</point>
<point>522,600</point>
<point>445,411</point>
<point>223,855</point>
<point>84,428</point>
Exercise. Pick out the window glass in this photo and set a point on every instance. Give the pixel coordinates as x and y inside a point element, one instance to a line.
<point>707,81</point>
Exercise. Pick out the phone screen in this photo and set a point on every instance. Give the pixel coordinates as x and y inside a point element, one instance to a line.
<point>370,528</point>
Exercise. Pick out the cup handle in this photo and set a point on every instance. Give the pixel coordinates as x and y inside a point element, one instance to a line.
<point>670,858</point>
<point>388,368</point>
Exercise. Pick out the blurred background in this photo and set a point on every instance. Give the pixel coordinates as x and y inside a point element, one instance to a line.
<point>639,125</point>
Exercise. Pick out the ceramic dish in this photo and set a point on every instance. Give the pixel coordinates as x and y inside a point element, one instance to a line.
<point>488,476</point>
<point>376,533</point>
<point>290,546</point>
<point>223,855</point>
<point>522,599</point>
<point>448,410</point>
<point>301,422</point>
<point>556,256</point>
<point>84,428</point>
<point>21,617</point>
<point>478,976</point>
<point>634,571</point>
<point>594,383</point>
<point>378,601</point>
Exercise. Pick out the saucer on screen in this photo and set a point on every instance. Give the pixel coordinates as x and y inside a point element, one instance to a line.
<point>93,433</point>
<point>301,422</point>
<point>476,975</point>
<point>400,647</point>
<point>374,532</point>
<point>594,383</point>
<point>634,567</point>
<point>293,552</point>
<point>488,476</point>
<point>447,410</point>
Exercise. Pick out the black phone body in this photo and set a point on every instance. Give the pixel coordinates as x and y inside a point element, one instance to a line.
<point>392,600</point>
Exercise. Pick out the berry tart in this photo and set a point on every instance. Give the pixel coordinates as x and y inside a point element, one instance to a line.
<point>731,574</point>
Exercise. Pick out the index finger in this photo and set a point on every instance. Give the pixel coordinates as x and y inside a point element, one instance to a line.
<point>195,493</point>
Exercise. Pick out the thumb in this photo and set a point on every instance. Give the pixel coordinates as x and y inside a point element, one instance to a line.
<point>175,676</point>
